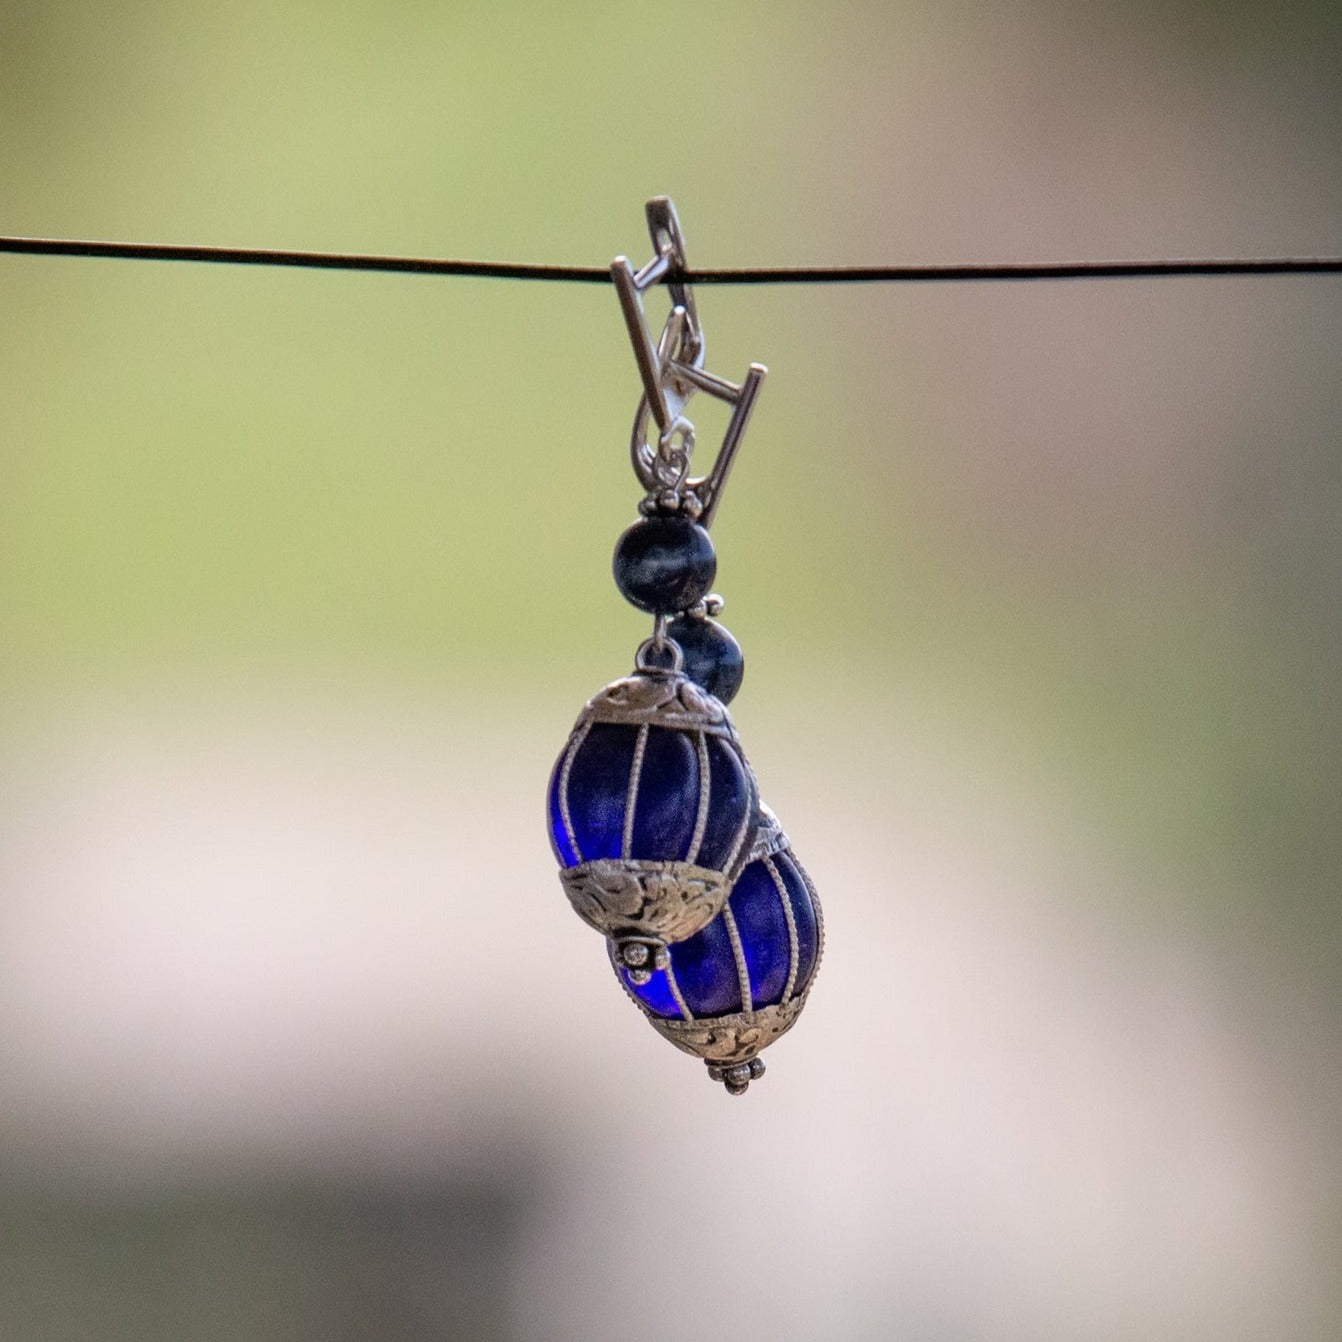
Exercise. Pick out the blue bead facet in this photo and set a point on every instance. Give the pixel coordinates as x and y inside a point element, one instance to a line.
<point>666,801</point>
<point>730,796</point>
<point>598,789</point>
<point>761,923</point>
<point>706,971</point>
<point>713,658</point>
<point>560,843</point>
<point>656,996</point>
<point>806,910</point>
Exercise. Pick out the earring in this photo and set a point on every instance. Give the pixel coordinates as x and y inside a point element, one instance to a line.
<point>664,846</point>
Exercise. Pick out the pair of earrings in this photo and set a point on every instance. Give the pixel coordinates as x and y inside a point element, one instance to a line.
<point>664,845</point>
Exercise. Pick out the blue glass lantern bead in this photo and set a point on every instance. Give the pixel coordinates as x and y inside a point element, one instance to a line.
<point>651,812</point>
<point>729,991</point>
<point>713,658</point>
<point>664,563</point>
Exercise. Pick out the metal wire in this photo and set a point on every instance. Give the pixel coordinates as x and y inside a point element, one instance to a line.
<point>512,270</point>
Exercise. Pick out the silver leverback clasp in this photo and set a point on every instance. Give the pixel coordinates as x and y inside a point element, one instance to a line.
<point>672,370</point>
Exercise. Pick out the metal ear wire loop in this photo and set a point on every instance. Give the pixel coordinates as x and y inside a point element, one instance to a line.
<point>672,371</point>
<point>682,339</point>
<point>651,464</point>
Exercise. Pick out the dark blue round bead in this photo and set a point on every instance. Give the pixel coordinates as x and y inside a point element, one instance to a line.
<point>664,564</point>
<point>713,658</point>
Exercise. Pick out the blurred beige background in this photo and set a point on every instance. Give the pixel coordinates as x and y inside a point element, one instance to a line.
<point>304,577</point>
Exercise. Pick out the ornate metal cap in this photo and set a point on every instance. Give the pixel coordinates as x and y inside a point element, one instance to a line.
<point>659,699</point>
<point>731,1045</point>
<point>629,897</point>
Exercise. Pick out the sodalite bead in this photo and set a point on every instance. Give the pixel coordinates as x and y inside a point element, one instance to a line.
<point>729,991</point>
<point>651,809</point>
<point>713,658</point>
<point>664,564</point>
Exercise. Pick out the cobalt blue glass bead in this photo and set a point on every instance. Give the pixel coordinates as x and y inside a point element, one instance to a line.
<point>664,564</point>
<point>651,809</point>
<point>713,658</point>
<point>730,990</point>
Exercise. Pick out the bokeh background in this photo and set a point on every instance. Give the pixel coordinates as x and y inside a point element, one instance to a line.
<point>303,578</point>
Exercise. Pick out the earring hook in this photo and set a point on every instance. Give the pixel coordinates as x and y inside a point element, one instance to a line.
<point>672,370</point>
<point>682,339</point>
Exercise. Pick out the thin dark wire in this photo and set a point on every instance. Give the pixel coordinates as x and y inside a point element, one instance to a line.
<point>512,270</point>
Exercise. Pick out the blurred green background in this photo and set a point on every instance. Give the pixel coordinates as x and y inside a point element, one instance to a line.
<point>304,576</point>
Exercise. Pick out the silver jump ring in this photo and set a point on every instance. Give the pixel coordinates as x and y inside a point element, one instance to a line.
<point>663,466</point>
<point>655,647</point>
